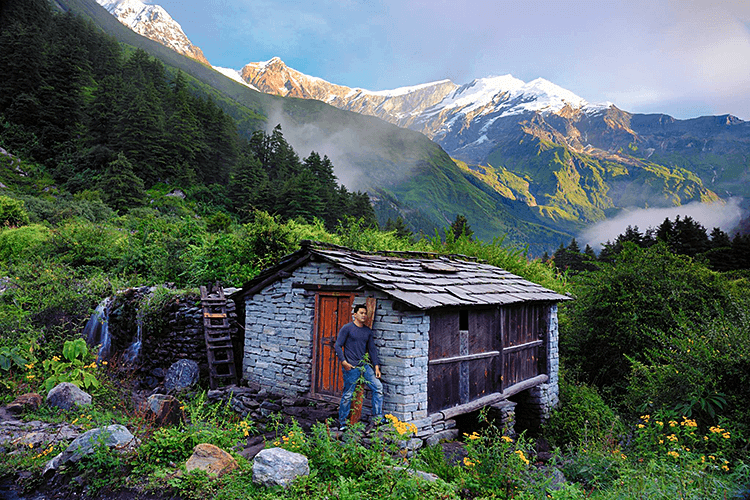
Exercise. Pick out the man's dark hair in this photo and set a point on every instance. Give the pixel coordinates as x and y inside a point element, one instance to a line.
<point>358,307</point>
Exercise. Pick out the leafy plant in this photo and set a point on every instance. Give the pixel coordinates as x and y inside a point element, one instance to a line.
<point>74,368</point>
<point>10,357</point>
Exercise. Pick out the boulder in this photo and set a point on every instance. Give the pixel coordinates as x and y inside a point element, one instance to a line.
<point>279,467</point>
<point>182,375</point>
<point>164,409</point>
<point>211,459</point>
<point>68,396</point>
<point>23,403</point>
<point>446,435</point>
<point>113,436</point>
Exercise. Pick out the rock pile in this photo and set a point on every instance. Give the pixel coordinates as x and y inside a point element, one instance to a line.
<point>259,405</point>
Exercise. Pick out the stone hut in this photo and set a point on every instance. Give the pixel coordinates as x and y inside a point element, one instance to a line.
<point>454,335</point>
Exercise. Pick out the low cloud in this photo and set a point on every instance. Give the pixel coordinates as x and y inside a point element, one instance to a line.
<point>724,215</point>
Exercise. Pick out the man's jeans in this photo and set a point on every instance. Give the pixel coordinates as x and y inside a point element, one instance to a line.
<point>350,383</point>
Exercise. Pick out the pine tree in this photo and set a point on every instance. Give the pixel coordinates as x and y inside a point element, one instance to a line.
<point>122,188</point>
<point>460,226</point>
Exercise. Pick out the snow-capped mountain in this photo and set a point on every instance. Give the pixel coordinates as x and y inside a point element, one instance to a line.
<point>153,22</point>
<point>463,119</point>
<point>400,106</point>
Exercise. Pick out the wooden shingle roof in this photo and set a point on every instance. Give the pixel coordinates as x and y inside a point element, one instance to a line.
<point>423,281</point>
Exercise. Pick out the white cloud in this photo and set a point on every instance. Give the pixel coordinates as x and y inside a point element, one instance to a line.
<point>710,215</point>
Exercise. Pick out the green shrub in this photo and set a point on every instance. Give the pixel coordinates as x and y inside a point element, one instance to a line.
<point>83,243</point>
<point>12,212</point>
<point>619,311</point>
<point>701,372</point>
<point>23,243</point>
<point>581,417</point>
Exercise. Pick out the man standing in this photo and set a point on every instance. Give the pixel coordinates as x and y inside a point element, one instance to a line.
<point>354,340</point>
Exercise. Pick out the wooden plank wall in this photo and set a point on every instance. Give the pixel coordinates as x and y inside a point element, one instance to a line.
<point>523,328</point>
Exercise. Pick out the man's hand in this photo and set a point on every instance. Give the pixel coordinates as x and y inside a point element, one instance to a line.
<point>347,365</point>
<point>377,371</point>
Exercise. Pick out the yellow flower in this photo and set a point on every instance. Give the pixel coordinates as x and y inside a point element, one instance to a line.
<point>726,435</point>
<point>29,366</point>
<point>641,426</point>
<point>29,377</point>
<point>724,467</point>
<point>522,456</point>
<point>672,438</point>
<point>55,358</point>
<point>673,454</point>
<point>468,463</point>
<point>672,423</point>
<point>711,457</point>
<point>507,439</point>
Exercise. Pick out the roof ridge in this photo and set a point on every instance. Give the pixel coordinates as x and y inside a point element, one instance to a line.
<point>313,244</point>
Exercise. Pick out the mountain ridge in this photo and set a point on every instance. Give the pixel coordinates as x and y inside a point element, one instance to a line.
<point>153,22</point>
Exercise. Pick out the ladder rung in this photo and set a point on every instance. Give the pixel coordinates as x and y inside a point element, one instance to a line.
<point>214,315</point>
<point>222,362</point>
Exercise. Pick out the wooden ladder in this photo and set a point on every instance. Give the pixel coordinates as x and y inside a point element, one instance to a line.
<point>218,336</point>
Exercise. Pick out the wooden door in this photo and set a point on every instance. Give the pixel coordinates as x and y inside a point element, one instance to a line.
<point>332,311</point>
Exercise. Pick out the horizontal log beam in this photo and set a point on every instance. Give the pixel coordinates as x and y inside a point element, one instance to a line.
<point>522,347</point>
<point>490,399</point>
<point>468,357</point>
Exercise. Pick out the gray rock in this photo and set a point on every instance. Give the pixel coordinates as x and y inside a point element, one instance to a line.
<point>68,396</point>
<point>165,410</point>
<point>427,476</point>
<point>113,436</point>
<point>182,375</point>
<point>446,435</point>
<point>278,467</point>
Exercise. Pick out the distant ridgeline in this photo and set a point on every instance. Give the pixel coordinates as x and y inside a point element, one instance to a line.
<point>98,116</point>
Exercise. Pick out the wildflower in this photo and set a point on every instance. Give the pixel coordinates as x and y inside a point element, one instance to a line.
<point>507,439</point>
<point>55,358</point>
<point>688,422</point>
<point>29,377</point>
<point>645,417</point>
<point>711,457</point>
<point>726,435</point>
<point>659,423</point>
<point>468,463</point>
<point>672,423</point>
<point>673,454</point>
<point>672,438</point>
<point>522,456</point>
<point>725,467</point>
<point>29,366</point>
<point>641,426</point>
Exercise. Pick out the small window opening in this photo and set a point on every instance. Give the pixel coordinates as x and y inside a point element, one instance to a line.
<point>463,319</point>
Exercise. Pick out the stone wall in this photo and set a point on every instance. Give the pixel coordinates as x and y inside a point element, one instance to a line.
<point>279,329</point>
<point>177,335</point>
<point>536,404</point>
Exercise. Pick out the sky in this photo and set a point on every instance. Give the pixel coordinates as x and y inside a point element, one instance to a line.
<point>684,58</point>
